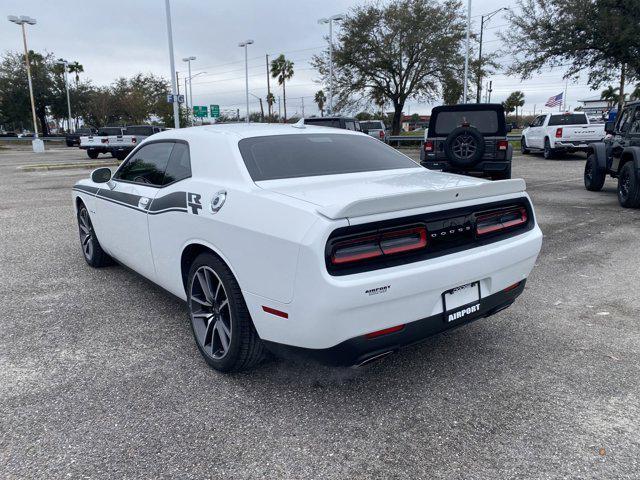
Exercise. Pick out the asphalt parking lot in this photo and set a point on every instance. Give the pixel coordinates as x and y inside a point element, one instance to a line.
<point>100,376</point>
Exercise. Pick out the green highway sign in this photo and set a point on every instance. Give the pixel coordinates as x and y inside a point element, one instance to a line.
<point>215,110</point>
<point>200,111</point>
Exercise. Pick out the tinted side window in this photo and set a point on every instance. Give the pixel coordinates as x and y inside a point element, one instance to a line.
<point>539,121</point>
<point>568,119</point>
<point>486,122</point>
<point>179,166</point>
<point>147,165</point>
<point>635,124</point>
<point>350,125</point>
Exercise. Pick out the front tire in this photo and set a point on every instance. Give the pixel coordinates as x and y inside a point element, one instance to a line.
<point>628,187</point>
<point>220,321</point>
<point>92,154</point>
<point>593,176</point>
<point>523,146</point>
<point>91,249</point>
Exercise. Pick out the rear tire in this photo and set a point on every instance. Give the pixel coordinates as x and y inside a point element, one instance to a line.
<point>69,144</point>
<point>523,146</point>
<point>548,152</point>
<point>220,321</point>
<point>506,175</point>
<point>92,154</point>
<point>91,249</point>
<point>628,187</point>
<point>593,176</point>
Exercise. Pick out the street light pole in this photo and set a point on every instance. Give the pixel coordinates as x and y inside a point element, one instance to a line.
<point>176,110</point>
<point>65,64</point>
<point>466,55</point>
<point>330,20</point>
<point>244,45</point>
<point>188,60</point>
<point>483,20</point>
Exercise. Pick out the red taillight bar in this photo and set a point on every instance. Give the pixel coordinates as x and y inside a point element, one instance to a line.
<point>381,134</point>
<point>384,331</point>
<point>379,244</point>
<point>558,132</point>
<point>503,144</point>
<point>501,220</point>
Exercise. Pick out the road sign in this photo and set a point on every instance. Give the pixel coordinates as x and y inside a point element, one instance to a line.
<point>180,98</point>
<point>172,98</point>
<point>169,98</point>
<point>215,110</point>
<point>200,111</point>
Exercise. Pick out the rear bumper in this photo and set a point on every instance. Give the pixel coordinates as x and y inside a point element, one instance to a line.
<point>95,148</point>
<point>582,146</point>
<point>489,166</point>
<point>361,349</point>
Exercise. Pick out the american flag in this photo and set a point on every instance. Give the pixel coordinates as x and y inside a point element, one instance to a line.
<point>554,101</point>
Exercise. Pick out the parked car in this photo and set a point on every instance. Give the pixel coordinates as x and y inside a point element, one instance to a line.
<point>468,139</point>
<point>73,139</point>
<point>375,129</point>
<point>98,143</point>
<point>556,133</point>
<point>619,156</point>
<point>122,144</point>
<point>313,241</point>
<point>347,123</point>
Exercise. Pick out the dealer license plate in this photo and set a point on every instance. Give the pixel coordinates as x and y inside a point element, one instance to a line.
<point>461,301</point>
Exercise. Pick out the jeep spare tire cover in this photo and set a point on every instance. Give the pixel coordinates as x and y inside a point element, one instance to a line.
<point>464,147</point>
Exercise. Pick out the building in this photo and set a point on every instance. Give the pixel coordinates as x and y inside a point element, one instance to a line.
<point>414,122</point>
<point>595,107</point>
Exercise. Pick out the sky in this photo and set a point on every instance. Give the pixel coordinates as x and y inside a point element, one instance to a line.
<point>121,38</point>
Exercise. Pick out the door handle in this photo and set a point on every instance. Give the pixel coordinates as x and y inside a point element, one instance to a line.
<point>143,202</point>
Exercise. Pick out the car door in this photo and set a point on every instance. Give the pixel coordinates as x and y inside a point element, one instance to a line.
<point>621,139</point>
<point>535,136</point>
<point>634,130</point>
<point>122,207</point>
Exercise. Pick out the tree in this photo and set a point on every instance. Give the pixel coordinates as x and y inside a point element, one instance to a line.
<point>76,68</point>
<point>320,99</point>
<point>271,99</point>
<point>397,51</point>
<point>597,36</point>
<point>610,95</point>
<point>282,70</point>
<point>513,102</point>
<point>364,116</point>
<point>452,90</point>
<point>635,95</point>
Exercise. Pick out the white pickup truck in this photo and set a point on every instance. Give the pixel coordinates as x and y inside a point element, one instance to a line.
<point>124,142</point>
<point>554,133</point>
<point>99,143</point>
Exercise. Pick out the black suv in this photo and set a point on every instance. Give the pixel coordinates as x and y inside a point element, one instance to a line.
<point>469,139</point>
<point>619,156</point>
<point>347,123</point>
<point>74,138</point>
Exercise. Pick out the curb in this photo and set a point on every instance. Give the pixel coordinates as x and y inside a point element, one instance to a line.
<point>65,166</point>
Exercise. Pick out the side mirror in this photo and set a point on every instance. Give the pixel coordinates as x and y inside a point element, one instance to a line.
<point>609,127</point>
<point>101,175</point>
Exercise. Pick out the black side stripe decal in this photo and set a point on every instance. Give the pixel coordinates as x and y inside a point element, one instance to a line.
<point>86,189</point>
<point>120,197</point>
<point>173,202</point>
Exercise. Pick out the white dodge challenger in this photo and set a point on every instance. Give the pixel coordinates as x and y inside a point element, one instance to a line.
<point>307,240</point>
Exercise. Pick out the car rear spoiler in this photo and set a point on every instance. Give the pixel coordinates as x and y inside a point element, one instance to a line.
<point>407,201</point>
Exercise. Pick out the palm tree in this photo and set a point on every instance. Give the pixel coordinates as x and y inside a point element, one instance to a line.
<point>320,100</point>
<point>282,70</point>
<point>76,68</point>
<point>610,95</point>
<point>271,99</point>
<point>518,101</point>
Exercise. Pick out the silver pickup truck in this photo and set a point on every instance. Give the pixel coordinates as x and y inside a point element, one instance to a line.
<point>375,129</point>
<point>123,143</point>
<point>98,143</point>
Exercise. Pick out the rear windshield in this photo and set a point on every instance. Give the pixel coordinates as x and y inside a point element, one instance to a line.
<point>110,131</point>
<point>486,121</point>
<point>309,155</point>
<point>83,131</point>
<point>322,122</point>
<point>570,119</point>
<point>371,125</point>
<point>142,130</point>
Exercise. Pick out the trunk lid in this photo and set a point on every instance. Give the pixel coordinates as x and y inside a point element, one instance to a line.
<point>359,194</point>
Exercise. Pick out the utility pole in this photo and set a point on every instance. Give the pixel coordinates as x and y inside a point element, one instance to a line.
<point>65,65</point>
<point>176,111</point>
<point>466,55</point>
<point>279,110</point>
<point>268,86</point>
<point>178,81</point>
<point>302,98</point>
<point>483,20</point>
<point>490,90</point>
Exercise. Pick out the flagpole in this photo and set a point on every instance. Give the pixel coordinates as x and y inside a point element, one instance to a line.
<point>566,85</point>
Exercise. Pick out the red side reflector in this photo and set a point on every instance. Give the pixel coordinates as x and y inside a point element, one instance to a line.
<point>512,287</point>
<point>500,220</point>
<point>558,133</point>
<point>428,146</point>
<point>275,312</point>
<point>503,144</point>
<point>385,331</point>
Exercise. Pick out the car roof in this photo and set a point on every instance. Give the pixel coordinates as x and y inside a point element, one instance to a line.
<point>467,107</point>
<point>338,117</point>
<point>238,131</point>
